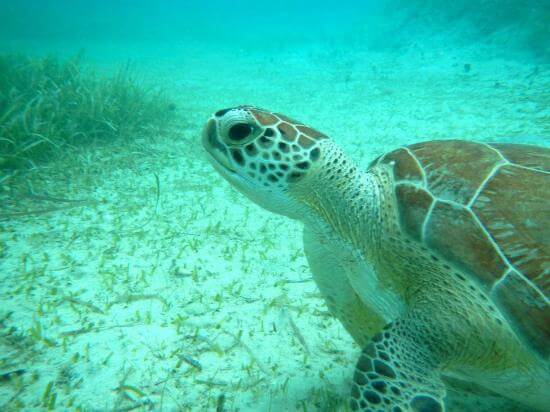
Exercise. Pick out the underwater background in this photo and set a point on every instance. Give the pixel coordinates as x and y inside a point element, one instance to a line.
<point>132,276</point>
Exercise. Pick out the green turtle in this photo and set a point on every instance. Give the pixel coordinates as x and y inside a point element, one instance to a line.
<point>435,259</point>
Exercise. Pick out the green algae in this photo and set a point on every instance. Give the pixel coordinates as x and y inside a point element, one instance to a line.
<point>49,106</point>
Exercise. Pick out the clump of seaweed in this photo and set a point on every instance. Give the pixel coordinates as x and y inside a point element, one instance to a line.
<point>48,104</point>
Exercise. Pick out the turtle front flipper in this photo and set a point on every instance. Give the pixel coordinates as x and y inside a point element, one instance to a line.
<point>395,373</point>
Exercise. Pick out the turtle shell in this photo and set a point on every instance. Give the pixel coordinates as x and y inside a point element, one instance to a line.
<point>486,209</point>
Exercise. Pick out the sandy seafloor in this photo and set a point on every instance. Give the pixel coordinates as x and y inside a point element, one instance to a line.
<point>118,305</point>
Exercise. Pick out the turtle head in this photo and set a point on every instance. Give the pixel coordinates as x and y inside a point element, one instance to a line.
<point>263,154</point>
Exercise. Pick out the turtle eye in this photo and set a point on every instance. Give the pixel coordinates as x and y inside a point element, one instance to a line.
<point>240,131</point>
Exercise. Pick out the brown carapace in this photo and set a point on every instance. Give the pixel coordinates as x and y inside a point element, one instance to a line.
<point>485,208</point>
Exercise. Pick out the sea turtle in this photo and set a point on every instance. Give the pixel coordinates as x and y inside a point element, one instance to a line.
<point>435,259</point>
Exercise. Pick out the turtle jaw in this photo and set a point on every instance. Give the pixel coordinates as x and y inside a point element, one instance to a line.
<point>217,154</point>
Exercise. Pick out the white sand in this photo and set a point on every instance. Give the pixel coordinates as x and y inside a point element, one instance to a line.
<point>106,300</point>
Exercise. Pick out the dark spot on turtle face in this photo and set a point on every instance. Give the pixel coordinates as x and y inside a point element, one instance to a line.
<point>355,392</point>
<point>424,403</point>
<point>265,142</point>
<point>272,178</point>
<point>276,155</point>
<point>302,165</point>
<point>372,396</point>
<point>314,154</point>
<point>284,147</point>
<point>251,149</point>
<point>379,386</point>
<point>253,165</point>
<point>269,132</point>
<point>237,156</point>
<point>395,390</point>
<point>283,166</point>
<point>359,378</point>
<point>353,405</point>
<point>383,356</point>
<point>294,176</point>
<point>370,350</point>
<point>364,364</point>
<point>263,169</point>
<point>377,338</point>
<point>384,369</point>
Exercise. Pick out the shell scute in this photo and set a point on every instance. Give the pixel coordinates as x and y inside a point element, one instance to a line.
<point>455,169</point>
<point>526,308</point>
<point>524,155</point>
<point>413,205</point>
<point>454,233</point>
<point>514,206</point>
<point>406,167</point>
<point>490,217</point>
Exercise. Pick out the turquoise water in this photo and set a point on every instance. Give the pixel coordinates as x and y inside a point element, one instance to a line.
<point>134,277</point>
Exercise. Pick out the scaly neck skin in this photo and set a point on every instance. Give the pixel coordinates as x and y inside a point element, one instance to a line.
<point>341,199</point>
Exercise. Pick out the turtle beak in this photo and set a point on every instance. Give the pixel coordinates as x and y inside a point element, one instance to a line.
<point>217,151</point>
